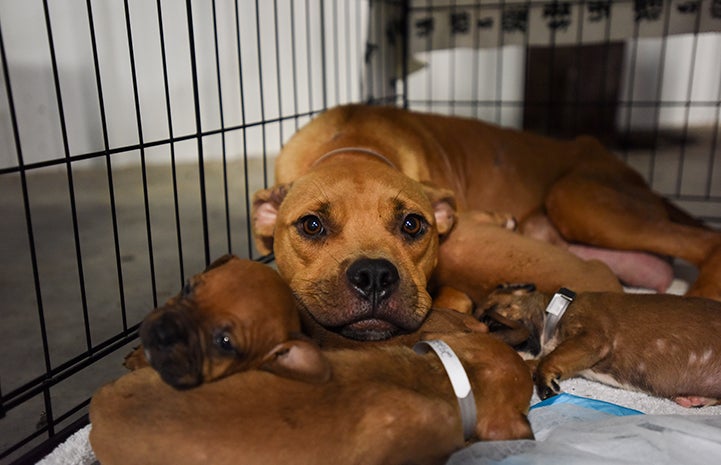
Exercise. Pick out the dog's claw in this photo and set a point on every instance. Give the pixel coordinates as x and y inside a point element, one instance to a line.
<point>551,389</point>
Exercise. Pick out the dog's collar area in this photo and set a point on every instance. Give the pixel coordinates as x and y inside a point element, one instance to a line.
<point>459,380</point>
<point>356,150</point>
<point>558,305</point>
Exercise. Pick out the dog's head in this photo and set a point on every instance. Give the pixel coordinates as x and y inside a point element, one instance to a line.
<point>514,313</point>
<point>357,241</point>
<point>234,316</point>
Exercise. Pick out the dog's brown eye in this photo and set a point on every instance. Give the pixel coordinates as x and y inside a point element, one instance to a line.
<point>224,342</point>
<point>311,225</point>
<point>413,225</point>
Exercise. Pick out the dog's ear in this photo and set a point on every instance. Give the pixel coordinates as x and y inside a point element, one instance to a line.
<point>298,359</point>
<point>444,206</point>
<point>264,214</point>
<point>218,262</point>
<point>511,332</point>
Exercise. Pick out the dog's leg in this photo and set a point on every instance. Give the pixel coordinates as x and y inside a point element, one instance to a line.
<point>476,257</point>
<point>624,214</point>
<point>453,299</point>
<point>572,356</point>
<point>638,269</point>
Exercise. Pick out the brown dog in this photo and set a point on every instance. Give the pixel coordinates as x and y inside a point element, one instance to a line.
<point>286,397</point>
<point>665,345</point>
<point>232,317</point>
<point>363,193</point>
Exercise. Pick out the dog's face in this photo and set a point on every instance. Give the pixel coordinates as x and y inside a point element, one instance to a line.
<point>225,320</point>
<point>514,312</point>
<point>357,242</point>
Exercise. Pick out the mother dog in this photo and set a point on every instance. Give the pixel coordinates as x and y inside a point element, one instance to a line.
<point>363,194</point>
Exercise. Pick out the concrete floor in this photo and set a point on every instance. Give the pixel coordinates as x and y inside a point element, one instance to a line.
<point>22,356</point>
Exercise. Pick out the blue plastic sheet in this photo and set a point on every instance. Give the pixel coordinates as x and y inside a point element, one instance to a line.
<point>599,405</point>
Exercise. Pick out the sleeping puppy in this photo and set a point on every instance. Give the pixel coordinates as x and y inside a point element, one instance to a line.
<point>233,316</point>
<point>276,397</point>
<point>374,404</point>
<point>665,345</point>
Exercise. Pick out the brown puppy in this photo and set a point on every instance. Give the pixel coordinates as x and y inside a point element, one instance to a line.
<point>665,345</point>
<point>380,405</point>
<point>233,316</point>
<point>363,193</point>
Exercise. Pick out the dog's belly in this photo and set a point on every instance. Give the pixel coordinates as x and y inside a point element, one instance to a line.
<point>668,373</point>
<point>607,379</point>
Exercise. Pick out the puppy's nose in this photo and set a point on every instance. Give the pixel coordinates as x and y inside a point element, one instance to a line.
<point>373,279</point>
<point>165,332</point>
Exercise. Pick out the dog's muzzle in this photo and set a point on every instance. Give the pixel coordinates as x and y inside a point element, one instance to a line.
<point>374,281</point>
<point>173,349</point>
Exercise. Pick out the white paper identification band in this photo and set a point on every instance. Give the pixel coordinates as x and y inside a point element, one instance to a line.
<point>459,381</point>
<point>555,310</point>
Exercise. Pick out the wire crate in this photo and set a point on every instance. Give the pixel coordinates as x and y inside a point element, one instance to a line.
<point>134,133</point>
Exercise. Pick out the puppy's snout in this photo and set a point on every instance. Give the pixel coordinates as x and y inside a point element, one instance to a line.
<point>373,279</point>
<point>164,332</point>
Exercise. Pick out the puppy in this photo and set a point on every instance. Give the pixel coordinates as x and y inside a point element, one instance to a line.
<point>664,345</point>
<point>233,316</point>
<point>375,405</point>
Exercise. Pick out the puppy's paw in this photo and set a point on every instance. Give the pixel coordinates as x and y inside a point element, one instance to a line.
<point>136,359</point>
<point>547,388</point>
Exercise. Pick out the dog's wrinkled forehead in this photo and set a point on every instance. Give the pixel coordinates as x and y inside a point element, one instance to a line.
<point>380,189</point>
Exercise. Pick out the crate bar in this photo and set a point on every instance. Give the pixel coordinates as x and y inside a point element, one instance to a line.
<point>74,366</point>
<point>334,44</point>
<point>278,89</point>
<point>38,453</point>
<point>224,155</point>
<point>262,93</point>
<point>68,368</point>
<point>171,141</point>
<point>324,71</point>
<point>199,130</point>
<point>714,145</point>
<point>309,55</point>
<point>452,63</point>
<point>108,164</point>
<point>246,177</point>
<point>349,52</point>
<point>475,75</point>
<point>499,71</point>
<point>294,64</point>
<point>71,193</point>
<point>659,90</point>
<point>143,170</point>
<point>687,106</point>
<point>145,145</point>
<point>28,217</point>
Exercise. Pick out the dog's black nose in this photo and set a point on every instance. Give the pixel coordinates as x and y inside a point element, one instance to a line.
<point>165,332</point>
<point>374,279</point>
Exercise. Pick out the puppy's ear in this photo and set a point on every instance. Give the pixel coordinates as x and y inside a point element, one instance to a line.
<point>511,332</point>
<point>444,206</point>
<point>264,214</point>
<point>218,262</point>
<point>298,359</point>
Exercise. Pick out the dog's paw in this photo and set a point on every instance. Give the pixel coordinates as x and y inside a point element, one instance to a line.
<point>136,359</point>
<point>547,388</point>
